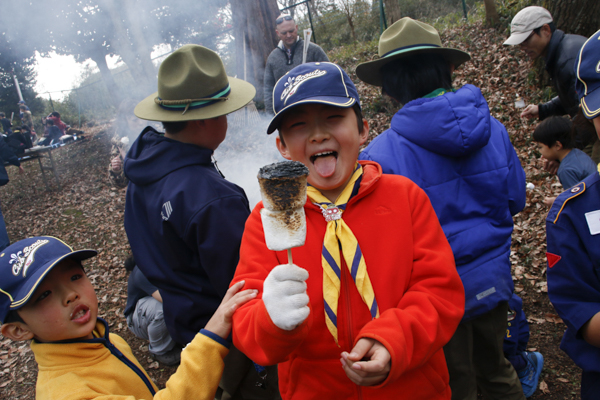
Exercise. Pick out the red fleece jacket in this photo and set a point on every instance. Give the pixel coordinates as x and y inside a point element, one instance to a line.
<point>420,297</point>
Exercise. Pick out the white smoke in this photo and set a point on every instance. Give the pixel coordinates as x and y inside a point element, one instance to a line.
<point>246,149</point>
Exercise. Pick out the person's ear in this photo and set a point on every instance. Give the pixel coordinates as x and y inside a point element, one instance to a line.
<point>557,146</point>
<point>364,135</point>
<point>546,31</point>
<point>16,331</point>
<point>283,150</point>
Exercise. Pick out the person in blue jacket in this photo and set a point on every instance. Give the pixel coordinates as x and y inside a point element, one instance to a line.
<point>184,221</point>
<point>446,141</point>
<point>573,243</point>
<point>6,155</point>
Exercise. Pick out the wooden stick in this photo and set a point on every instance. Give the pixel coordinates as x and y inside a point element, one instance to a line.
<point>290,256</point>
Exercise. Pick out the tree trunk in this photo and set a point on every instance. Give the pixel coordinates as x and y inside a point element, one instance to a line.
<point>491,14</point>
<point>122,44</point>
<point>575,16</point>
<point>392,11</point>
<point>347,9</point>
<point>352,30</point>
<point>113,90</point>
<point>254,24</point>
<point>140,46</point>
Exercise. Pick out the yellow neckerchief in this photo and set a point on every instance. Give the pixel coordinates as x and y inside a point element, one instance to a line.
<point>339,236</point>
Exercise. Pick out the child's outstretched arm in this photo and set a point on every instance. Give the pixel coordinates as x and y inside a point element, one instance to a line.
<point>201,365</point>
<point>368,364</point>
<point>220,322</point>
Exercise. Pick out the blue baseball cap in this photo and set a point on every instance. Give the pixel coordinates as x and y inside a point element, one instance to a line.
<point>315,82</point>
<point>25,264</point>
<point>21,102</point>
<point>587,69</point>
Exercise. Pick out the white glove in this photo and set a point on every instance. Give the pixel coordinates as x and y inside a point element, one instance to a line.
<point>284,295</point>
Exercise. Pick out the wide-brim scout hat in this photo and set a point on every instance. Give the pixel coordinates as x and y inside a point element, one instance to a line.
<point>25,264</point>
<point>193,85</point>
<point>587,68</point>
<point>407,37</point>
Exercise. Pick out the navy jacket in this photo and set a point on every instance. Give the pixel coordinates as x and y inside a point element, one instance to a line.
<point>463,159</point>
<point>560,59</point>
<point>6,155</point>
<point>574,266</point>
<point>184,222</point>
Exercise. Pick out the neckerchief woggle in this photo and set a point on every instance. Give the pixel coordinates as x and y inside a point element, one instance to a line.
<point>340,239</point>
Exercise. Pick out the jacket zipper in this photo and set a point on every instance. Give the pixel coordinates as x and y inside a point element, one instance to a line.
<point>117,353</point>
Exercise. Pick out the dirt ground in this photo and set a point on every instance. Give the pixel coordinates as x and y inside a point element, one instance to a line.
<point>87,212</point>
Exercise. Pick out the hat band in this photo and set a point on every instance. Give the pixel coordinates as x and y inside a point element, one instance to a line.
<point>187,104</point>
<point>407,48</point>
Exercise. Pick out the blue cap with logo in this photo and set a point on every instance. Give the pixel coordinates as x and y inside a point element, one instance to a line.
<point>316,82</point>
<point>25,264</point>
<point>587,69</point>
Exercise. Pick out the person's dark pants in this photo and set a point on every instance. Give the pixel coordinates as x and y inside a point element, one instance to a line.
<point>475,359</point>
<point>517,334</point>
<point>4,241</point>
<point>590,385</point>
<point>241,380</point>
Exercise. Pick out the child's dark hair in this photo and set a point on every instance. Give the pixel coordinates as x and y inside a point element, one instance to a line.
<point>174,127</point>
<point>359,120</point>
<point>413,77</point>
<point>2,115</point>
<point>13,316</point>
<point>554,129</point>
<point>49,122</point>
<point>55,114</point>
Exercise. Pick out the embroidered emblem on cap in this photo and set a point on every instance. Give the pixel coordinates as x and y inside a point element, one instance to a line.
<point>292,84</point>
<point>23,259</point>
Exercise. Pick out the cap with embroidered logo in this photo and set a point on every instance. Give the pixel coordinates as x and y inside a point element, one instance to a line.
<point>316,82</point>
<point>25,264</point>
<point>587,70</point>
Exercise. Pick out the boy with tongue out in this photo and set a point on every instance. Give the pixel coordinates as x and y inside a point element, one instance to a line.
<point>46,296</point>
<point>374,294</point>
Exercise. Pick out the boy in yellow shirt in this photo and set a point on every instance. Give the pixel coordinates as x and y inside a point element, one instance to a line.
<point>46,296</point>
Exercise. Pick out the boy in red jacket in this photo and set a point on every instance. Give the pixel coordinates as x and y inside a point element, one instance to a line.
<point>375,289</point>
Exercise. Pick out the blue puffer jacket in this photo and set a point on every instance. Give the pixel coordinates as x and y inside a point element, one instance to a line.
<point>462,157</point>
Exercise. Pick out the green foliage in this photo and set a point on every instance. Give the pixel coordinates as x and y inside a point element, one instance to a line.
<point>508,9</point>
<point>430,10</point>
<point>348,56</point>
<point>332,26</point>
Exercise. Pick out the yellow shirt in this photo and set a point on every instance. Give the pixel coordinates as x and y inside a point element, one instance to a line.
<point>105,368</point>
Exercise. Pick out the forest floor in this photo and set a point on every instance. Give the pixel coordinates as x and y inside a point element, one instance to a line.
<point>87,212</point>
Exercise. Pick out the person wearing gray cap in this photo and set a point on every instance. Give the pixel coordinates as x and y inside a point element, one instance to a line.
<point>534,31</point>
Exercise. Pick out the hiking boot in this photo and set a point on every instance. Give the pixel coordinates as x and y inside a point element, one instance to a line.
<point>170,358</point>
<point>530,375</point>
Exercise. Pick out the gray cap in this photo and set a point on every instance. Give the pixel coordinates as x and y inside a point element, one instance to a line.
<point>525,22</point>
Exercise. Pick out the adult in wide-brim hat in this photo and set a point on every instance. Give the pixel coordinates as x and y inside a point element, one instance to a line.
<point>407,37</point>
<point>193,85</point>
